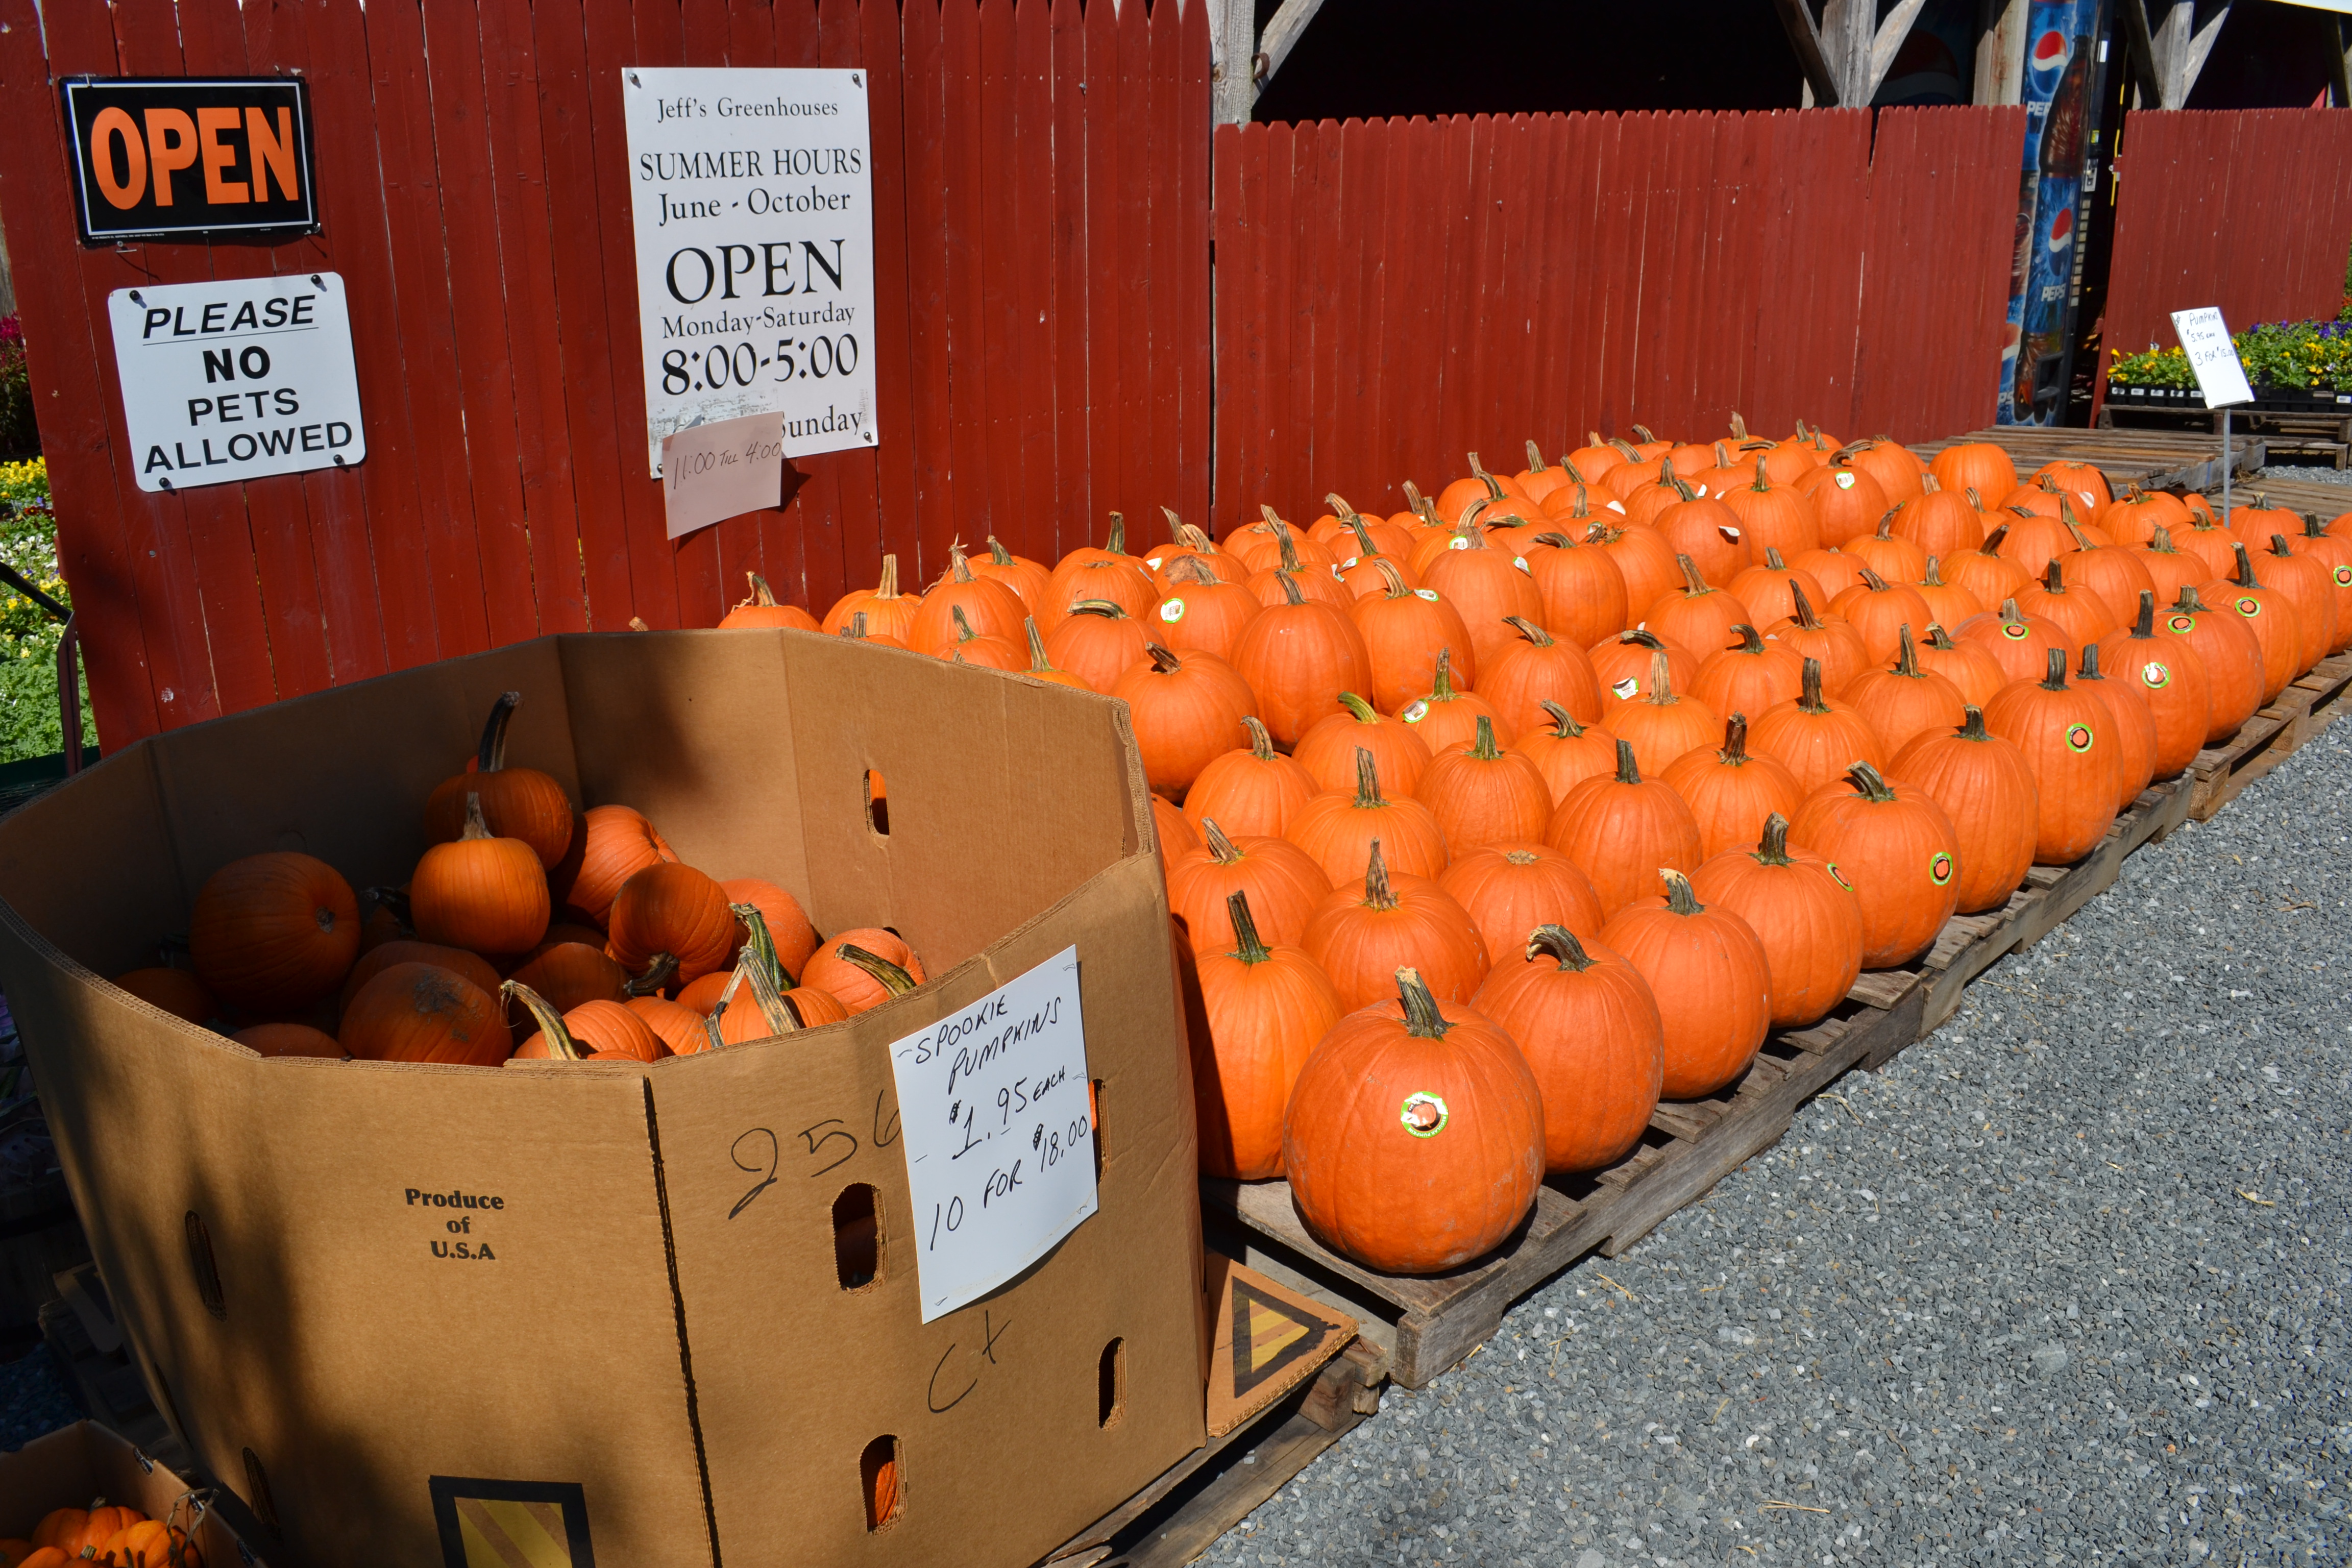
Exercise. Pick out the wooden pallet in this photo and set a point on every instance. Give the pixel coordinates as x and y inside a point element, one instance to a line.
<point>90,1349</point>
<point>2312,497</point>
<point>1175,1519</point>
<point>2271,736</point>
<point>2152,459</point>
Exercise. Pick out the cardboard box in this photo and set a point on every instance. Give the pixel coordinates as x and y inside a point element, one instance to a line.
<point>677,1373</point>
<point>75,1465</point>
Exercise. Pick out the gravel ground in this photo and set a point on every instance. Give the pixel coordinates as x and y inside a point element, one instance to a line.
<point>2064,1284</point>
<point>2313,475</point>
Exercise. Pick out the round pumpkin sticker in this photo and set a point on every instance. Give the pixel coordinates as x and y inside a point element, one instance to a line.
<point>2250,607</point>
<point>1521,563</point>
<point>2344,576</point>
<point>1839,877</point>
<point>2154,676</point>
<point>1429,593</point>
<point>2183,625</point>
<point>1459,543</point>
<point>1940,868</point>
<point>1173,610</point>
<point>1423,1115</point>
<point>2013,630</point>
<point>1414,713</point>
<point>1845,480</point>
<point>2078,737</point>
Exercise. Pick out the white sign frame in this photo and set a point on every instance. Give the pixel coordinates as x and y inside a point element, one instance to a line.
<point>236,379</point>
<point>2213,357</point>
<point>995,1107</point>
<point>751,193</point>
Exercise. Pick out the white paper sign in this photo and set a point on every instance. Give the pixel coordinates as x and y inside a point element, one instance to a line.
<point>753,199</point>
<point>2213,357</point>
<point>713,472</point>
<point>998,1116</point>
<point>237,379</point>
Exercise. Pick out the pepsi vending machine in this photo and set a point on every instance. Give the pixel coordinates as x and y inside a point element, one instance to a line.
<point>2065,72</point>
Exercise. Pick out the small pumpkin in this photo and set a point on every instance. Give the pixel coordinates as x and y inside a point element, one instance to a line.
<point>518,803</point>
<point>1620,829</point>
<point>2132,517</point>
<point>1328,753</point>
<point>271,933</point>
<point>483,893</point>
<point>614,844</point>
<point>888,612</point>
<point>1359,934</point>
<point>1895,466</point>
<point>593,1031</point>
<point>1817,737</point>
<point>1732,791</point>
<point>1581,588</point>
<point>289,1040</point>
<point>473,966</point>
<point>1804,914</point>
<point>1709,532</point>
<point>1966,665</point>
<point>1284,885</point>
<point>1905,700</point>
<point>677,910</point>
<point>1186,710</point>
<point>991,609</point>
<point>1264,1008</point>
<point>2232,659</point>
<point>1898,849</point>
<point>1298,657</point>
<point>787,922</point>
<point>840,968</point>
<point>569,974</point>
<point>2270,614</point>
<point>1339,828</point>
<point>1710,977</point>
<point>2085,485</point>
<point>1567,753</point>
<point>680,1026</point>
<point>173,991</point>
<point>1254,787</point>
<point>1895,558</point>
<point>1879,611</point>
<point>1027,578</point>
<point>1315,578</point>
<point>761,610</point>
<point>1623,665</point>
<point>1098,642</point>
<point>1589,1029</point>
<point>150,1543</point>
<point>1985,574</point>
<point>1481,794</point>
<point>1509,889</point>
<point>2334,555</point>
<point>424,1013</point>
<point>2063,733</point>
<point>1448,716</point>
<point>1773,516</point>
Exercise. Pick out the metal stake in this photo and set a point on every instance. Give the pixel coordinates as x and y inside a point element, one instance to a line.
<point>2226,465</point>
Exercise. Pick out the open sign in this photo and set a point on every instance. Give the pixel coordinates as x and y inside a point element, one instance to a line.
<point>187,158</point>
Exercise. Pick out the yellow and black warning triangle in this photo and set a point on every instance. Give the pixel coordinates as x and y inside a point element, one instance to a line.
<point>1270,1340</point>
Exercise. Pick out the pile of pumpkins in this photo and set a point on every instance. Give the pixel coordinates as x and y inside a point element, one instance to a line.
<point>1492,822</point>
<point>104,1533</point>
<point>530,928</point>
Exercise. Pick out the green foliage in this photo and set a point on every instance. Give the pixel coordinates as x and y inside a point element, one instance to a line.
<point>2304,354</point>
<point>30,725</point>
<point>18,431</point>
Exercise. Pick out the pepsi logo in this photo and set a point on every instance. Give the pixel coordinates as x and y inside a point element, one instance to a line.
<point>2061,230</point>
<point>2048,56</point>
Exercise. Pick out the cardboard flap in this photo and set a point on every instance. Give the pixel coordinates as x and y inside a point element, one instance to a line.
<point>1269,1338</point>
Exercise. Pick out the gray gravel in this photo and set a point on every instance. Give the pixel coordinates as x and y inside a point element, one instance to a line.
<point>2064,1284</point>
<point>2309,475</point>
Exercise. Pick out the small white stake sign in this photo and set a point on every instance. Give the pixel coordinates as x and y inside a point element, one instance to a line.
<point>2213,358</point>
<point>998,1115</point>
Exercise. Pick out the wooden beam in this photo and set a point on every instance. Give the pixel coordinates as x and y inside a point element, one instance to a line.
<point>1889,41</point>
<point>2168,51</point>
<point>2337,42</point>
<point>1282,34</point>
<point>1847,54</point>
<point>1232,44</point>
<point>1797,21</point>
<point>1847,28</point>
<point>2001,52</point>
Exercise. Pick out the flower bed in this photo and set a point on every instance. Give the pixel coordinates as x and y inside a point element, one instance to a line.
<point>29,722</point>
<point>2293,366</point>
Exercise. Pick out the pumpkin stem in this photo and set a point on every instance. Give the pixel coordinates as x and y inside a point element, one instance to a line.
<point>855,629</point>
<point>1556,541</point>
<point>1628,771</point>
<point>2312,527</point>
<point>1220,848</point>
<point>887,586</point>
<point>1175,524</point>
<point>1906,653</point>
<point>1391,576</point>
<point>1667,477</point>
<point>959,568</point>
<point>1261,742</point>
<point>1289,586</point>
<point>964,633</point>
<point>1772,850</point>
<point>2010,612</point>
<point>1872,580</point>
<point>1340,508</point>
<point>2054,579</point>
<point>1662,691</point>
<point>1722,456</point>
<point>1038,663</point>
<point>1273,519</point>
<point>1103,607</point>
<point>1191,569</point>
<point>892,979</point>
<point>2089,669</point>
<point>1693,586</point>
<point>2145,627</point>
<point>1972,725</point>
<point>1626,448</point>
<point>1975,500</point>
<point>1247,947</point>
<point>2278,540</point>
<point>1580,509</point>
<point>1494,486</point>
<point>394,899</point>
<point>1735,741</point>
<point>1804,606</point>
<point>1421,1018</point>
<point>1937,637</point>
<point>491,755</point>
<point>760,945</point>
<point>1772,561</point>
<point>1738,427</point>
<point>1575,474</point>
<point>1283,542</point>
<point>1535,458</point>
<point>1559,943</point>
<point>767,995</point>
<point>1484,748</point>
<point>1869,785</point>
<point>1378,892</point>
<point>2056,679</point>
<point>2245,578</point>
<point>1116,543</point>
<point>1163,662</point>
<point>1886,523</point>
<point>1992,546</point>
<point>475,826</point>
<point>1679,897</point>
<point>1367,782</point>
<point>1643,432</point>
<point>2189,604</point>
<point>1751,641</point>
<point>1413,500</point>
<point>1762,483</point>
<point>1441,688</point>
<point>1362,709</point>
<point>761,593</point>
<point>997,554</point>
<point>560,1043</point>
<point>1365,547</point>
<point>1933,577</point>
<point>1808,687</point>
<point>1529,630</point>
<point>1563,722</point>
<point>656,975</point>
<point>1930,483</point>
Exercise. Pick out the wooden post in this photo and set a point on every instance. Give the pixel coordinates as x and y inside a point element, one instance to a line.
<point>1232,44</point>
<point>2167,49</point>
<point>1848,52</point>
<point>2001,52</point>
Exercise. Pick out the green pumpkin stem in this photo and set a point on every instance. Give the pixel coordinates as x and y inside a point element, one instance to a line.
<point>1693,586</point>
<point>1247,947</point>
<point>1221,848</point>
<point>1564,722</point>
<point>1441,688</point>
<point>964,633</point>
<point>1556,541</point>
<point>1808,687</point>
<point>1421,1018</point>
<point>1680,900</point>
<point>1339,506</point>
<point>1559,943</point>
<point>1972,724</point>
<point>658,970</point>
<point>892,979</point>
<point>2145,626</point>
<point>1038,663</point>
<point>1261,740</point>
<point>1772,850</point>
<point>1483,749</point>
<point>1643,432</point>
<point>760,945</point>
<point>1289,586</point>
<point>1116,543</point>
<point>560,1046</point>
<point>762,595</point>
<point>1358,709</point>
<point>491,755</point>
<point>1869,785</point>
<point>1529,630</point>
<point>2056,679</point>
<point>1668,477</point>
<point>1751,641</point>
<point>997,554</point>
<point>1364,545</point>
<point>1906,653</point>
<point>1629,772</point>
<point>1367,782</point>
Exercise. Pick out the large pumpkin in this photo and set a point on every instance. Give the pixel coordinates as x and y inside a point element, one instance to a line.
<point>1361,934</point>
<point>2063,733</point>
<point>517,802</point>
<point>1645,561</point>
<point>2334,557</point>
<point>1773,517</point>
<point>1263,1009</point>
<point>1978,464</point>
<point>1509,889</point>
<point>1711,980</point>
<point>1662,725</point>
<point>1879,610</point>
<point>2084,614</point>
<point>1482,794</point>
<point>1848,501</point>
<point>1200,610</point>
<point>1568,752</point>
<point>1186,710</point>
<point>2306,583</point>
<point>677,910</point>
<point>1750,676</point>
<point>1328,753</point>
<point>2225,646</point>
<point>1298,657</point>
<point>1339,828</point>
<point>1414,1140</point>
<point>1697,615</point>
<point>1285,887</point>
<point>1253,788</point>
<point>1731,792</point>
<point>2170,679</point>
<point>2270,614</point>
<point>1581,587</point>
<point>1405,630</point>
<point>1816,737</point>
<point>1620,828</point>
<point>1987,790</point>
<point>787,923</point>
<point>1588,1027</point>
<point>274,933</point>
<point>1801,910</point>
<point>1539,669</point>
<point>2134,727</point>
<point>422,1012</point>
<point>1898,848</point>
<point>2021,644</point>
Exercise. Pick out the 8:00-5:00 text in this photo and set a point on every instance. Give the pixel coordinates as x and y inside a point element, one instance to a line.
<point>720,365</point>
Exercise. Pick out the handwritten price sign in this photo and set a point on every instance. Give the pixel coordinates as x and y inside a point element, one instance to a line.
<point>713,472</point>
<point>2213,358</point>
<point>998,1127</point>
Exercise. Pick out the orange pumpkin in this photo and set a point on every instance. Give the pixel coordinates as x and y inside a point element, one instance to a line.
<point>1968,666</point>
<point>2078,611</point>
<point>888,612</point>
<point>787,923</point>
<point>1254,787</point>
<point>482,893</point>
<point>1313,577</point>
<point>274,933</point>
<point>761,610</point>
<point>518,803</point>
<point>1708,531</point>
<point>1298,657</point>
<point>858,631</point>
<point>1200,610</point>
<point>289,1040</point>
<point>1581,588</point>
<point>2021,644</point>
<point>1567,753</point>
<point>1098,642</point>
<point>1480,793</point>
<point>2334,556</point>
<point>1329,751</point>
<point>1359,934</point>
<point>1987,790</point>
<point>1831,642</point>
<point>1894,558</point>
<point>614,844</point>
<point>1405,630</point>
<point>2133,517</point>
<point>1509,889</point>
<point>1897,847</point>
<point>1984,574</point>
<point>2074,760</point>
<point>1940,522</point>
<point>1025,577</point>
<point>991,609</point>
<point>1731,792</point>
<point>1711,980</point>
<point>606,1031</point>
<point>1643,559</point>
<point>1263,1008</point>
<point>150,1543</point>
<point>1488,585</point>
<point>2172,683</point>
<point>1339,828</point>
<point>1622,667</point>
<point>1414,1140</point>
<point>1803,913</point>
<point>1981,464</point>
<point>2134,727</point>
<point>376,959</point>
<point>1284,885</point>
<point>1446,716</point>
<point>1041,665</point>
<point>2270,614</point>
<point>677,910</point>
<point>1750,676</point>
<point>1879,611</point>
<point>1946,606</point>
<point>1538,670</point>
<point>680,1026</point>
<point>1893,465</point>
<point>567,974</point>
<point>173,991</point>
<point>1588,1027</point>
<point>1187,712</point>
<point>1816,737</point>
<point>855,982</point>
<point>1620,829</point>
<point>2232,660</point>
<point>422,1012</point>
<point>1662,725</point>
<point>2085,485</point>
<point>1773,516</point>
<point>2305,582</point>
<point>1088,574</point>
<point>1696,616</point>
<point>1848,501</point>
<point>989,652</point>
<point>1905,700</point>
<point>1765,588</point>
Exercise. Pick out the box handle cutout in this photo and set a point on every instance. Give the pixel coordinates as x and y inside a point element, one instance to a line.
<point>208,1269</point>
<point>1094,1113</point>
<point>1111,1375</point>
<point>256,1493</point>
<point>878,805</point>
<point>857,1236</point>
<point>881,1475</point>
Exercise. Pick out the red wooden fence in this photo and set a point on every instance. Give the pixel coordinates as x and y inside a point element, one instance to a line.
<point>2247,209</point>
<point>1041,183</point>
<point>1392,294</point>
